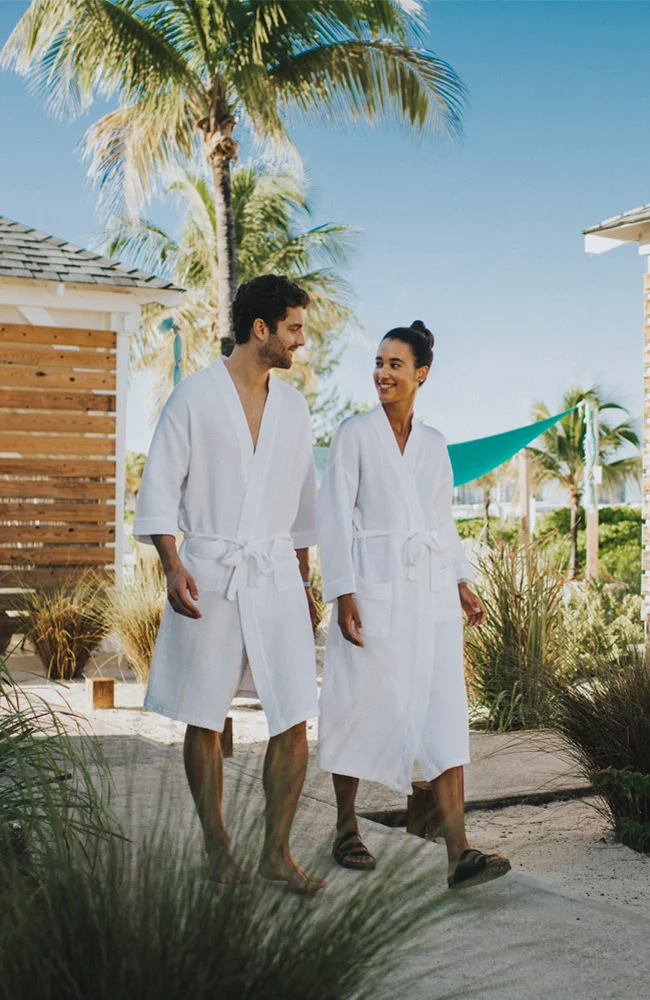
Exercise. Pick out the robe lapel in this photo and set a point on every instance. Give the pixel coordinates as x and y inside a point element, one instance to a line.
<point>261,462</point>
<point>403,466</point>
<point>237,416</point>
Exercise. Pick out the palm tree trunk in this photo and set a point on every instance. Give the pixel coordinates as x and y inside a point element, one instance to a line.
<point>226,244</point>
<point>221,149</point>
<point>573,557</point>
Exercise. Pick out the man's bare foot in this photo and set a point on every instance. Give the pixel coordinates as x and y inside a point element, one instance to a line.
<point>223,867</point>
<point>286,872</point>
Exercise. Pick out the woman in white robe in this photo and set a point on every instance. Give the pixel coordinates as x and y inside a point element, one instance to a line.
<point>393,681</point>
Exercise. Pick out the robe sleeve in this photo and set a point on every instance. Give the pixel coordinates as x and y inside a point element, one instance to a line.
<point>304,531</point>
<point>164,475</point>
<point>336,502</point>
<point>460,564</point>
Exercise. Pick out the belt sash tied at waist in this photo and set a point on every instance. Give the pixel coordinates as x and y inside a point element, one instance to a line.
<point>414,548</point>
<point>246,557</point>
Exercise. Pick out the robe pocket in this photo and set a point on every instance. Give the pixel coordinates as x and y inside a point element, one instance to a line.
<point>374,601</point>
<point>286,571</point>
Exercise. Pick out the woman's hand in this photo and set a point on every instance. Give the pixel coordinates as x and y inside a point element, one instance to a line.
<point>349,619</point>
<point>472,605</point>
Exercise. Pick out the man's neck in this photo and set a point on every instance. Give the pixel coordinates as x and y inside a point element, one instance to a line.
<point>246,369</point>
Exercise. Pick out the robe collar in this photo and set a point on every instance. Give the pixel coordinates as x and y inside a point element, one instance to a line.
<point>404,465</point>
<point>251,459</point>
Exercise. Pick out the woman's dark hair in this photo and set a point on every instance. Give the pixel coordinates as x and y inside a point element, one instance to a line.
<point>418,338</point>
<point>267,297</point>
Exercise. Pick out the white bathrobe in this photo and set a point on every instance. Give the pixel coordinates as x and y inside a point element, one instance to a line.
<point>387,535</point>
<point>243,513</point>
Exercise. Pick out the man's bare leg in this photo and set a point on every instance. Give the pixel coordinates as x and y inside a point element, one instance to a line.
<point>204,769</point>
<point>345,789</point>
<point>285,766</point>
<point>449,792</point>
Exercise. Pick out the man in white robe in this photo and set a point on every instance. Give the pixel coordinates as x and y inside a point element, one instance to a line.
<point>231,466</point>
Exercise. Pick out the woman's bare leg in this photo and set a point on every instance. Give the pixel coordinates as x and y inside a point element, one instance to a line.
<point>345,789</point>
<point>285,766</point>
<point>449,793</point>
<point>204,769</point>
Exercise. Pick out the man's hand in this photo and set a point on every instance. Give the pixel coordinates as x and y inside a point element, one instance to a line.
<point>350,619</point>
<point>179,584</point>
<point>472,605</point>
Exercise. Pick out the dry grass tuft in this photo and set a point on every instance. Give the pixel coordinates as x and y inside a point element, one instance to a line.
<point>67,624</point>
<point>134,615</point>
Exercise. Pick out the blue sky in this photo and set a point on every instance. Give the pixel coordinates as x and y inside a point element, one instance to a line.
<point>482,238</point>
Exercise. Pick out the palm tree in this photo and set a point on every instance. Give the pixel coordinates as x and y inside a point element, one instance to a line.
<point>134,467</point>
<point>186,72</point>
<point>270,210</point>
<point>561,455</point>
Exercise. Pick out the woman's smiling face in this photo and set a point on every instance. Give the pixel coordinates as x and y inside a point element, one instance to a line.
<point>396,377</point>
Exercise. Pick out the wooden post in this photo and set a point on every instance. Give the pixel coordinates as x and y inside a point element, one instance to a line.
<point>123,325</point>
<point>101,692</point>
<point>524,496</point>
<point>591,570</point>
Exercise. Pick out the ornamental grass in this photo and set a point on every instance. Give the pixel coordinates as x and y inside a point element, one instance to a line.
<point>66,625</point>
<point>134,614</point>
<point>607,726</point>
<point>54,785</point>
<point>513,659</point>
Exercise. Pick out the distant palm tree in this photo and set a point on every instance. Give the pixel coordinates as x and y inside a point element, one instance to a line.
<point>487,484</point>
<point>561,455</point>
<point>134,467</point>
<point>186,72</point>
<point>270,210</point>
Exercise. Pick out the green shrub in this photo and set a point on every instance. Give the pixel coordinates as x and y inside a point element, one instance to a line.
<point>619,541</point>
<point>514,657</point>
<point>472,527</point>
<point>602,621</point>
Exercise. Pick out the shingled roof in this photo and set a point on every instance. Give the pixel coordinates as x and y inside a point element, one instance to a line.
<point>635,217</point>
<point>27,253</point>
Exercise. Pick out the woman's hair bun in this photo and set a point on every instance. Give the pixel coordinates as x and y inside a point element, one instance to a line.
<point>418,325</point>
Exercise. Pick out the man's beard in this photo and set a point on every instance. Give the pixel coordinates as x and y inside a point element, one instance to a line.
<point>274,355</point>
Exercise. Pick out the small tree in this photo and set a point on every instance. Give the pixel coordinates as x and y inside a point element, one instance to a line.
<point>185,73</point>
<point>560,458</point>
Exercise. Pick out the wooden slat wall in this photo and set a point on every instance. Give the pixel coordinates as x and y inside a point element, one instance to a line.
<point>57,455</point>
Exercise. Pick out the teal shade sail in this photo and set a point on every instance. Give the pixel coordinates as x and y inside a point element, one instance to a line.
<point>472,459</point>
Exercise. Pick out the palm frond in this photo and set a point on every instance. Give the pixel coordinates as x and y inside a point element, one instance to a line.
<point>356,81</point>
<point>143,243</point>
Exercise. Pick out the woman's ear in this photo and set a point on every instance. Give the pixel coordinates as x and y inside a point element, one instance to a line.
<point>421,374</point>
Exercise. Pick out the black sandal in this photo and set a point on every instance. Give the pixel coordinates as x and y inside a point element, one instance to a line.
<point>475,868</point>
<point>349,846</point>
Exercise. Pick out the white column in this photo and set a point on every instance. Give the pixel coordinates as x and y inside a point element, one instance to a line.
<point>124,325</point>
<point>524,495</point>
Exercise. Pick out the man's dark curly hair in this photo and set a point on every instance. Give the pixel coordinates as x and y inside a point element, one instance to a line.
<point>267,297</point>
